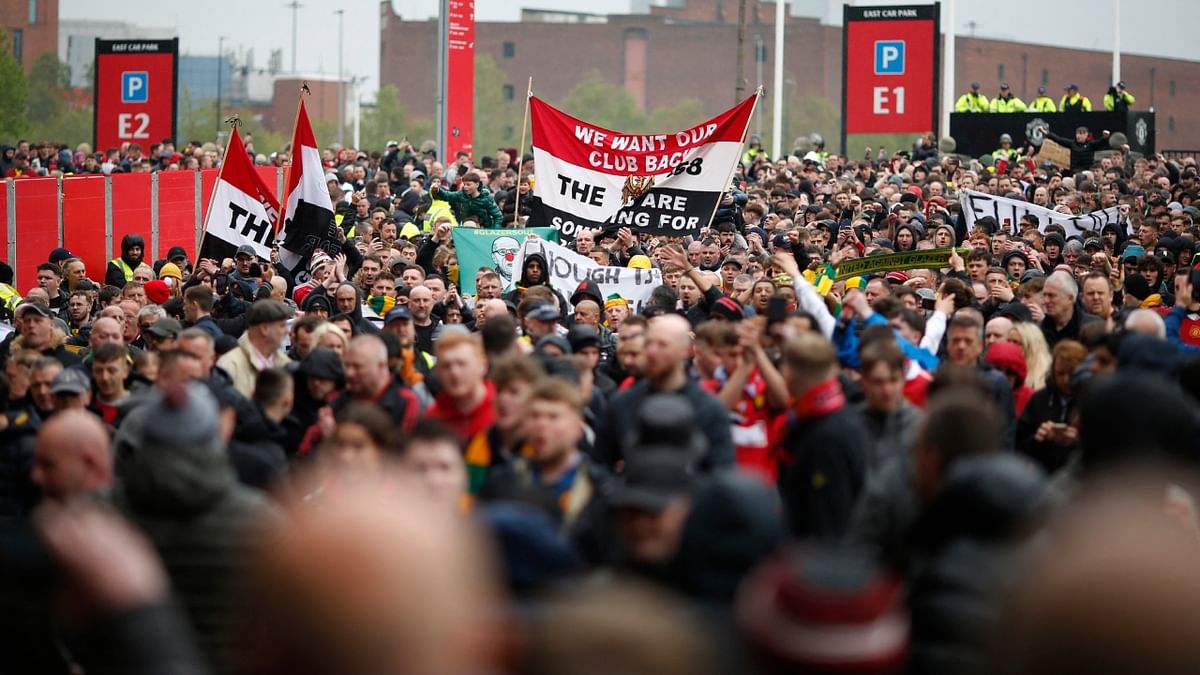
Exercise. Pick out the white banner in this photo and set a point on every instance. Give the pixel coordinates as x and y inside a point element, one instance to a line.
<point>568,269</point>
<point>976,205</point>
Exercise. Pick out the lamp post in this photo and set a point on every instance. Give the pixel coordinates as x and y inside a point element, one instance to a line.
<point>220,67</point>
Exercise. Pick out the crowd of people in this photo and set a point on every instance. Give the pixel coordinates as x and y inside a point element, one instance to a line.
<point>1117,98</point>
<point>988,465</point>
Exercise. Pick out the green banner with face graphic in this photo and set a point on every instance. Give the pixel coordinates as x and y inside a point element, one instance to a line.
<point>491,249</point>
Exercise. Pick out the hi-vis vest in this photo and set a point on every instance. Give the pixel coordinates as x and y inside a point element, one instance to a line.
<point>9,297</point>
<point>124,267</point>
<point>437,209</point>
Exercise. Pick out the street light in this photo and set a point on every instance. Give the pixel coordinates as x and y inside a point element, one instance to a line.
<point>341,130</point>
<point>220,67</point>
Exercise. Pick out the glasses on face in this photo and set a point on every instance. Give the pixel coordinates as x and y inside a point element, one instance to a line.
<point>145,326</point>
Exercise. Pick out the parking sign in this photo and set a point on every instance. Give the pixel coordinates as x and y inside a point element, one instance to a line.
<point>889,57</point>
<point>135,86</point>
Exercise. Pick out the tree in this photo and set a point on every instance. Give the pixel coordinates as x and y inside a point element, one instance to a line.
<point>604,104</point>
<point>497,117</point>
<point>13,94</point>
<point>682,115</point>
<point>196,120</point>
<point>49,88</point>
<point>388,120</point>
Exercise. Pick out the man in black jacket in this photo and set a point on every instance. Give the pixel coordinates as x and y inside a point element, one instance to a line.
<point>668,343</point>
<point>1083,147</point>
<point>824,446</point>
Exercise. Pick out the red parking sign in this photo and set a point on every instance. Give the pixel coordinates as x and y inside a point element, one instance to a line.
<point>135,92</point>
<point>890,65</point>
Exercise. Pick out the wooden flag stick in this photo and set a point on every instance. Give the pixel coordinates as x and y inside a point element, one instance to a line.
<point>521,156</point>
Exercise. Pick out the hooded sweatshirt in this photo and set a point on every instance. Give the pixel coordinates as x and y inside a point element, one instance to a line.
<point>514,296</point>
<point>114,274</point>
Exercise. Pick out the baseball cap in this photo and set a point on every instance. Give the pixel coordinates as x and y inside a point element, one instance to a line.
<point>732,261</point>
<point>543,313</point>
<point>400,313</point>
<point>28,306</point>
<point>246,249</point>
<point>165,327</point>
<point>176,253</point>
<point>1072,86</point>
<point>70,381</point>
<point>1041,90</point>
<point>974,85</point>
<point>1004,85</point>
<point>654,475</point>
<point>582,335</point>
<point>391,143</point>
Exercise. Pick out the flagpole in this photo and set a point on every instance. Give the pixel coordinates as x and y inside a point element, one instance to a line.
<point>521,156</point>
<point>287,174</point>
<point>757,97</point>
<point>234,122</point>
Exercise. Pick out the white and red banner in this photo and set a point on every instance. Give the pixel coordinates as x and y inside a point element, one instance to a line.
<point>243,210</point>
<point>308,223</point>
<point>664,184</point>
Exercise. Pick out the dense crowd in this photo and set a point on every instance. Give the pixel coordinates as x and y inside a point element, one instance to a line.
<point>217,466</point>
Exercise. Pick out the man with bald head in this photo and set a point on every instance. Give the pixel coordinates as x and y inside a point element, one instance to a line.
<point>487,309</point>
<point>668,346</point>
<point>997,329</point>
<point>420,302</point>
<point>368,380</point>
<point>71,458</point>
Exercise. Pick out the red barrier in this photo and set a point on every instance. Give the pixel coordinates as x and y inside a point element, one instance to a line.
<point>4,218</point>
<point>83,223</point>
<point>83,214</point>
<point>177,212</point>
<point>131,210</point>
<point>37,227</point>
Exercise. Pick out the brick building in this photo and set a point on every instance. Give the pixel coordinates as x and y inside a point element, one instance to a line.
<point>31,28</point>
<point>689,51</point>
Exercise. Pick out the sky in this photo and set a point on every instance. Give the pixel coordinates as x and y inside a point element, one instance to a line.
<point>1153,27</point>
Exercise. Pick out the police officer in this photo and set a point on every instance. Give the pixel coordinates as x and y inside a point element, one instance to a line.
<point>1118,99</point>
<point>1043,103</point>
<point>1006,102</point>
<point>1073,101</point>
<point>972,101</point>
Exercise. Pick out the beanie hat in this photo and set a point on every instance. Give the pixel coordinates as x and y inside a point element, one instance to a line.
<point>614,300</point>
<point>6,273</point>
<point>1137,286</point>
<point>170,270</point>
<point>157,291</point>
<point>183,415</point>
<point>640,262</point>
<point>727,308</point>
<point>301,293</point>
<point>318,259</point>
<point>790,604</point>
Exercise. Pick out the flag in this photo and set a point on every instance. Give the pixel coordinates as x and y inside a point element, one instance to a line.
<point>243,209</point>
<point>478,248</point>
<point>308,213</point>
<point>663,184</point>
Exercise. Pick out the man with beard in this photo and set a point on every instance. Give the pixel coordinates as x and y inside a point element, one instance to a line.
<point>120,269</point>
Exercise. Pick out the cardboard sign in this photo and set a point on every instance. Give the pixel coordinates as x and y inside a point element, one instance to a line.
<point>1056,154</point>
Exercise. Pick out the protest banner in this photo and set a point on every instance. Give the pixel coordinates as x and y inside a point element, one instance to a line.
<point>494,249</point>
<point>1054,153</point>
<point>663,184</point>
<point>1008,213</point>
<point>568,268</point>
<point>911,260</point>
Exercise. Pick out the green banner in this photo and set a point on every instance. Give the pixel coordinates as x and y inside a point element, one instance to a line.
<point>493,249</point>
<point>933,258</point>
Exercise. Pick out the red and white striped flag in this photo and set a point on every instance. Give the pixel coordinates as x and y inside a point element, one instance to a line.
<point>308,224</point>
<point>664,184</point>
<point>243,210</point>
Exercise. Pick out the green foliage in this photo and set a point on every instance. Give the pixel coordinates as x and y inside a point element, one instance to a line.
<point>13,94</point>
<point>196,119</point>
<point>682,115</point>
<point>386,120</point>
<point>497,118</point>
<point>604,104</point>
<point>49,88</point>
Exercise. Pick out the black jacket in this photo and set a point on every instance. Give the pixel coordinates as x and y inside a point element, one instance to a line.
<point>1046,405</point>
<point>619,419</point>
<point>115,276</point>
<point>1083,155</point>
<point>823,473</point>
<point>963,544</point>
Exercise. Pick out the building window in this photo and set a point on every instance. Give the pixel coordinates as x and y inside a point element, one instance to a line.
<point>18,38</point>
<point>1171,124</point>
<point>1171,87</point>
<point>33,14</point>
<point>1000,72</point>
<point>509,50</point>
<point>508,92</point>
<point>1045,77</point>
